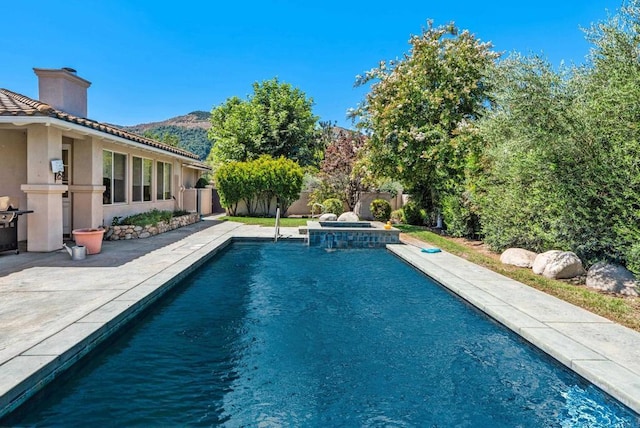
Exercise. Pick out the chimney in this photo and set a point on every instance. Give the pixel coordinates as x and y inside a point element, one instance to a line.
<point>62,89</point>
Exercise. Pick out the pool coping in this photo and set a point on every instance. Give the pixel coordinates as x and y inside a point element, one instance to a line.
<point>599,350</point>
<point>603,352</point>
<point>35,362</point>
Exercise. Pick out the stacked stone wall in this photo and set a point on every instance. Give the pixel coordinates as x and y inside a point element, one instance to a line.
<point>123,232</point>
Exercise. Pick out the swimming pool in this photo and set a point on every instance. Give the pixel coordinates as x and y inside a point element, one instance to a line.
<point>293,335</point>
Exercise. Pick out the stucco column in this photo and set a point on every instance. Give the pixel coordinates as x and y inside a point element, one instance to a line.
<point>87,206</point>
<point>87,188</point>
<point>44,196</point>
<point>44,225</point>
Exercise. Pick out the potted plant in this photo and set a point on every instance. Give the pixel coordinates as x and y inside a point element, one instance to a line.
<point>90,238</point>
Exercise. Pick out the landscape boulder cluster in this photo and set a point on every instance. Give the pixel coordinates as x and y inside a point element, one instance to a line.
<point>556,264</point>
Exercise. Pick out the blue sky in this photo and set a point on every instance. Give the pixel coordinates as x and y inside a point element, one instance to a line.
<point>152,60</point>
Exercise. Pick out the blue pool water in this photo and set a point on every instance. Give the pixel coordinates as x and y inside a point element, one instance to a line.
<point>290,335</point>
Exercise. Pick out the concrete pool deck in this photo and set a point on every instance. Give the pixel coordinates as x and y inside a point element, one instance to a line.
<point>54,310</point>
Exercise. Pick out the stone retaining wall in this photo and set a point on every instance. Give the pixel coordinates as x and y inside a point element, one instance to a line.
<point>116,233</point>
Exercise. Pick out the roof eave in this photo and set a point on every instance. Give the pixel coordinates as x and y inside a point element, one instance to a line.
<point>85,130</point>
<point>199,166</point>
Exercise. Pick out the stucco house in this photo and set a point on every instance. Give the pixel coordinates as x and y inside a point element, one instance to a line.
<point>106,171</point>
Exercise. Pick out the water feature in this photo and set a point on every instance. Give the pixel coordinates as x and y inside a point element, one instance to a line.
<point>351,234</point>
<point>263,336</point>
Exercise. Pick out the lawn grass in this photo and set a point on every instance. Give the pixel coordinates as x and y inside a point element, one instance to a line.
<point>615,308</point>
<point>267,221</point>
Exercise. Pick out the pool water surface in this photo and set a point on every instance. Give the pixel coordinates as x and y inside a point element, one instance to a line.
<point>290,335</point>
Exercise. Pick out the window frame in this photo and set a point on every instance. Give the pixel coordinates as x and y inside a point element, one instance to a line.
<point>138,195</point>
<point>163,180</point>
<point>109,195</point>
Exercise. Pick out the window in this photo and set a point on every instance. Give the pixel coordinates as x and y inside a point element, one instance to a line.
<point>141,180</point>
<point>164,181</point>
<point>114,168</point>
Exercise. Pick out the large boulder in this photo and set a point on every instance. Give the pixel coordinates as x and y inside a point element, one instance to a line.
<point>348,216</point>
<point>542,259</point>
<point>518,257</point>
<point>556,264</point>
<point>612,278</point>
<point>328,217</point>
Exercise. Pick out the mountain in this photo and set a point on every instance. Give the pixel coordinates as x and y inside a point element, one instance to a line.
<point>190,129</point>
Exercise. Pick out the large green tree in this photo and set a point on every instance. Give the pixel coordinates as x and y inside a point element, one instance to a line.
<point>276,120</point>
<point>612,117</point>
<point>421,111</point>
<point>533,133</point>
<point>563,168</point>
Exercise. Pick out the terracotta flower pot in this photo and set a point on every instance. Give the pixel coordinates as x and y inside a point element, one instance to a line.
<point>90,238</point>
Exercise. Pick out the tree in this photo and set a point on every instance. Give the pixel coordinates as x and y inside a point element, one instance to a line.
<point>339,174</point>
<point>192,139</point>
<point>164,137</point>
<point>611,116</point>
<point>231,181</point>
<point>563,168</point>
<point>421,111</point>
<point>533,132</point>
<point>258,182</point>
<point>276,120</point>
<point>286,182</point>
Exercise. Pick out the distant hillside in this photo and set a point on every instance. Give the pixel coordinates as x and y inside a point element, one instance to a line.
<point>191,130</point>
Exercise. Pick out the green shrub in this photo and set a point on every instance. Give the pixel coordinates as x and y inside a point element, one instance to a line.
<point>413,214</point>
<point>333,206</point>
<point>633,259</point>
<point>202,183</point>
<point>321,193</point>
<point>458,217</point>
<point>310,181</point>
<point>380,209</point>
<point>287,178</point>
<point>151,218</point>
<point>397,216</point>
<point>392,187</point>
<point>232,181</point>
<point>258,182</point>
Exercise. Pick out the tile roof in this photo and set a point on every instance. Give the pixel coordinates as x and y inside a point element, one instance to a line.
<point>14,104</point>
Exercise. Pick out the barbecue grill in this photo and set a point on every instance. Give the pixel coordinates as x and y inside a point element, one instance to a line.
<point>9,229</point>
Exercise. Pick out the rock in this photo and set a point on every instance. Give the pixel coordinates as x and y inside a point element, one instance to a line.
<point>518,257</point>
<point>348,216</point>
<point>328,217</point>
<point>108,233</point>
<point>556,264</point>
<point>564,265</point>
<point>613,278</point>
<point>542,260</point>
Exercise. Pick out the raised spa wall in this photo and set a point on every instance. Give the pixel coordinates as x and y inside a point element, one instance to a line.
<point>351,234</point>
